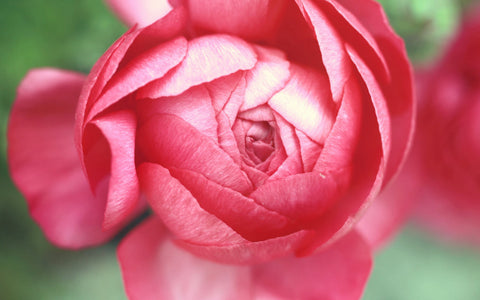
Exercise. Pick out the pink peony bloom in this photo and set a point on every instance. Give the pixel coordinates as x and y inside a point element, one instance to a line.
<point>446,156</point>
<point>257,132</point>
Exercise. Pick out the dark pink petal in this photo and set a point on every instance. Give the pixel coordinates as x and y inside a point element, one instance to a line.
<point>352,155</point>
<point>171,142</point>
<point>148,66</point>
<point>123,188</point>
<point>301,197</point>
<point>208,58</point>
<point>251,220</point>
<point>249,252</point>
<point>44,163</point>
<point>251,19</point>
<point>180,211</point>
<point>131,45</point>
<point>141,12</point>
<point>306,103</point>
<point>389,48</point>
<point>309,150</point>
<point>331,43</point>
<point>194,106</point>
<point>153,267</point>
<point>338,272</point>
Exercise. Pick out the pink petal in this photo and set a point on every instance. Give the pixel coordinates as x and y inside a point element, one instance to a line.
<point>171,142</point>
<point>141,12</point>
<point>302,197</point>
<point>153,267</point>
<point>306,103</point>
<point>44,163</point>
<point>128,47</point>
<point>331,43</point>
<point>123,191</point>
<point>198,112</point>
<point>262,113</point>
<point>148,66</point>
<point>251,220</point>
<point>352,155</point>
<point>269,75</point>
<point>390,210</point>
<point>250,19</point>
<point>208,58</point>
<point>180,211</point>
<point>222,88</point>
<point>338,272</point>
<point>309,150</point>
<point>249,252</point>
<point>397,91</point>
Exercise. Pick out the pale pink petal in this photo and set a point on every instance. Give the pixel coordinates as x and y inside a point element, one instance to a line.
<point>338,272</point>
<point>44,163</point>
<point>141,12</point>
<point>123,188</point>
<point>226,138</point>
<point>301,197</point>
<point>251,220</point>
<point>309,150</point>
<point>153,267</point>
<point>251,19</point>
<point>171,142</point>
<point>222,88</point>
<point>306,103</point>
<point>148,66</point>
<point>180,211</point>
<point>194,106</point>
<point>208,58</point>
<point>262,113</point>
<point>269,75</point>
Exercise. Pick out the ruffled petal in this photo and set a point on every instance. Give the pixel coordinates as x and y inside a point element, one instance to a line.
<point>208,58</point>
<point>306,103</point>
<point>302,197</point>
<point>250,219</point>
<point>153,267</point>
<point>180,211</point>
<point>44,163</point>
<point>171,142</point>
<point>148,66</point>
<point>194,106</point>
<point>119,129</point>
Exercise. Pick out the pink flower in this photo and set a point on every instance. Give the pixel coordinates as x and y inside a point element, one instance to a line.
<point>256,131</point>
<point>446,156</point>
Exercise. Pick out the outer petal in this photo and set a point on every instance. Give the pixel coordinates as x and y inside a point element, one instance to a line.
<point>339,272</point>
<point>44,163</point>
<point>141,12</point>
<point>155,268</point>
<point>250,19</point>
<point>123,189</point>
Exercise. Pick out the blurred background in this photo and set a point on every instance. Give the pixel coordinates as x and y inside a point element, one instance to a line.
<point>72,34</point>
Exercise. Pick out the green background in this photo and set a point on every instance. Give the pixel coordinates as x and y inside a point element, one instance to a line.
<point>72,34</point>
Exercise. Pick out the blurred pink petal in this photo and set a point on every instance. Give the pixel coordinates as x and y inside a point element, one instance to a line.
<point>148,259</point>
<point>44,162</point>
<point>141,12</point>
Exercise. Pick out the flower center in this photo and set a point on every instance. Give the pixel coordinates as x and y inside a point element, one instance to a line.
<point>259,142</point>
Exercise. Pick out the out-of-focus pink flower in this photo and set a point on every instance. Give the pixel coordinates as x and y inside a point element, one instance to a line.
<point>446,152</point>
<point>256,131</point>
